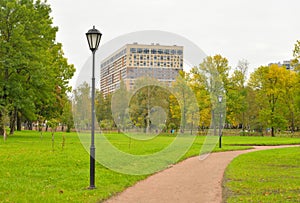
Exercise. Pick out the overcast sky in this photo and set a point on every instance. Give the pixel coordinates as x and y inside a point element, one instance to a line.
<point>261,31</point>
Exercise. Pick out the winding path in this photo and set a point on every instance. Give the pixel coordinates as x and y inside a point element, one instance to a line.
<point>190,181</point>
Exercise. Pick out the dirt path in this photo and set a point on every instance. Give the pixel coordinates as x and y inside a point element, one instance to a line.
<point>189,181</point>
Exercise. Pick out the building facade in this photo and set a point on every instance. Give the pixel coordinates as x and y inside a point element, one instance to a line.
<point>134,61</point>
<point>286,64</point>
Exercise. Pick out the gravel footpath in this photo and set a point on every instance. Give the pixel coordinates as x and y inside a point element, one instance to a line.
<point>192,180</point>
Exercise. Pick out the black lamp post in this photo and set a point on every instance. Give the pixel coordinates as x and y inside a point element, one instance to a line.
<point>93,37</point>
<point>220,98</point>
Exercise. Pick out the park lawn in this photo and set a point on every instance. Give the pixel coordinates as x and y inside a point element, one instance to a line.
<point>31,170</point>
<point>264,176</point>
<point>259,141</point>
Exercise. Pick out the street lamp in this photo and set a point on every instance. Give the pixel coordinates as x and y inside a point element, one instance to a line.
<point>220,98</point>
<point>93,37</point>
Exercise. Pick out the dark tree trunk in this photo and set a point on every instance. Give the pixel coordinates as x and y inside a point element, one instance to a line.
<point>272,132</point>
<point>19,122</point>
<point>12,123</point>
<point>68,128</point>
<point>1,130</point>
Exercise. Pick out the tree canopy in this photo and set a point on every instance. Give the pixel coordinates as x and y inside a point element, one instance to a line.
<point>34,72</point>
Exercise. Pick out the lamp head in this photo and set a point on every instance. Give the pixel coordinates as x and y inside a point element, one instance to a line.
<point>220,98</point>
<point>93,37</point>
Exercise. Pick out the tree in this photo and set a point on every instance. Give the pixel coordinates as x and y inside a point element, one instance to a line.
<point>34,73</point>
<point>296,54</point>
<point>67,116</point>
<point>237,94</point>
<point>269,83</point>
<point>198,85</point>
<point>148,95</point>
<point>82,107</point>
<point>296,99</point>
<point>120,107</point>
<point>183,95</point>
<point>215,72</point>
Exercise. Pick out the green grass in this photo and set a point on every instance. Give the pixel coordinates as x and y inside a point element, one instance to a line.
<point>31,171</point>
<point>259,141</point>
<point>264,176</point>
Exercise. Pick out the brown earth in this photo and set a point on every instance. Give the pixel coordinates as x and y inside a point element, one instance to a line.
<point>192,180</point>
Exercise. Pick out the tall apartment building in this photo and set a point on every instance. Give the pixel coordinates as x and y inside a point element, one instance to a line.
<point>134,61</point>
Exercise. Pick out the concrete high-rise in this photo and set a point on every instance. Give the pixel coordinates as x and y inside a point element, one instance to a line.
<point>134,61</point>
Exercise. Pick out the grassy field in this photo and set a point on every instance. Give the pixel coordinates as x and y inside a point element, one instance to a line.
<point>264,176</point>
<point>32,170</point>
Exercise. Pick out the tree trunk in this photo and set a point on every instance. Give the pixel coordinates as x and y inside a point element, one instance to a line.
<point>272,117</point>
<point>148,113</point>
<point>19,122</point>
<point>12,123</point>
<point>4,135</point>
<point>1,130</point>
<point>12,127</point>
<point>272,132</point>
<point>243,124</point>
<point>68,128</point>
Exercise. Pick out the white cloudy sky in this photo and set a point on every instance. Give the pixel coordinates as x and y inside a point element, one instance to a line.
<point>260,31</point>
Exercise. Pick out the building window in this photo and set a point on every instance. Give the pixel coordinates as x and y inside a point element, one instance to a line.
<point>179,52</point>
<point>132,50</point>
<point>139,50</point>
<point>153,51</point>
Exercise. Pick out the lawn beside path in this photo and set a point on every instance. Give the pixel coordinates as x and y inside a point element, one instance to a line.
<point>264,176</point>
<point>32,170</point>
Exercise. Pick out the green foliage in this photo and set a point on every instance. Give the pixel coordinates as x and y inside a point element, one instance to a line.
<point>82,107</point>
<point>296,54</point>
<point>236,102</point>
<point>274,88</point>
<point>148,98</point>
<point>34,73</point>
<point>67,116</point>
<point>106,124</point>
